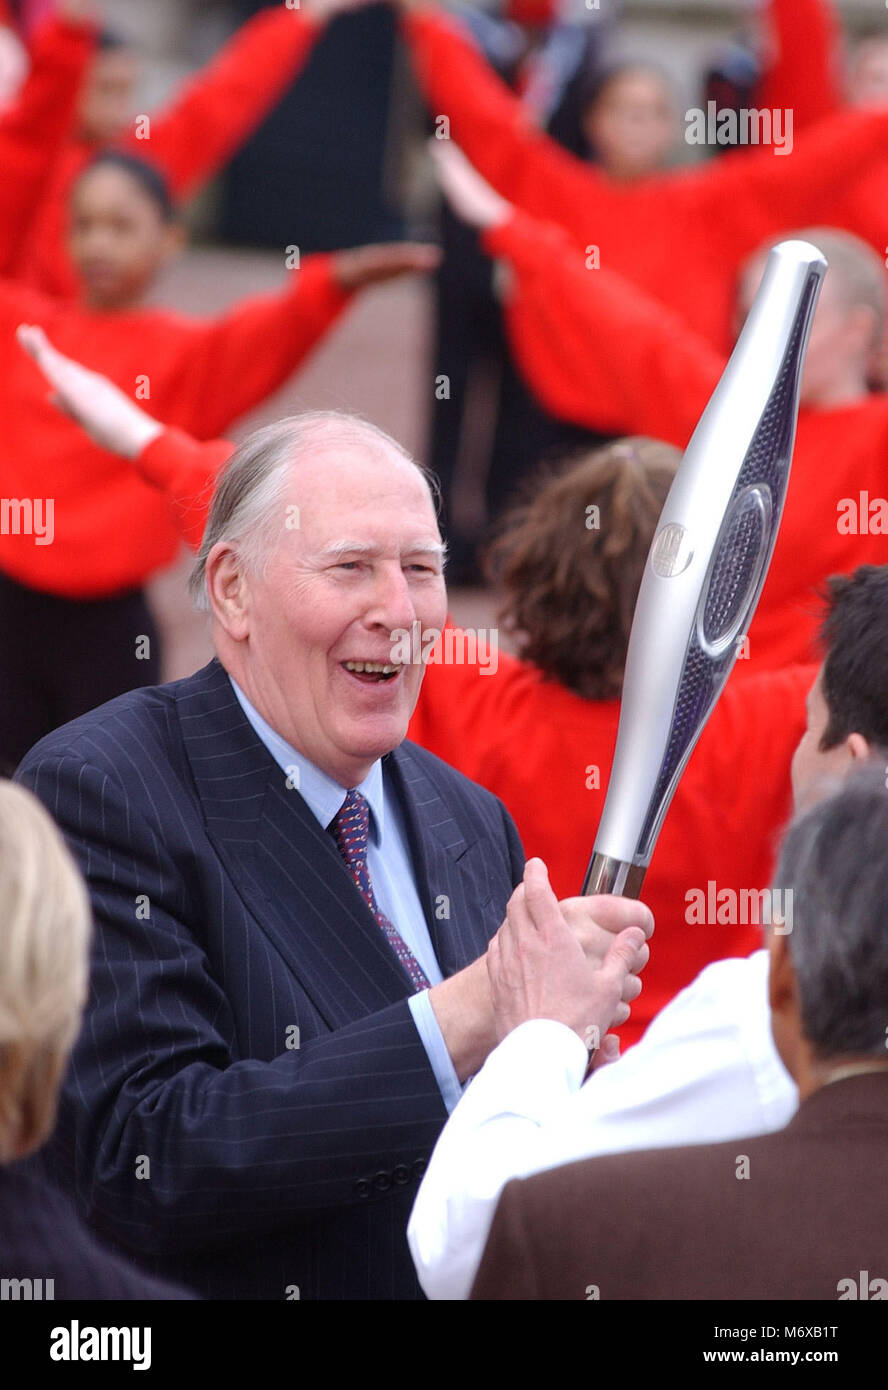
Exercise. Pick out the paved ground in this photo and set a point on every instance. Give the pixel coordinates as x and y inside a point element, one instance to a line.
<point>375,362</point>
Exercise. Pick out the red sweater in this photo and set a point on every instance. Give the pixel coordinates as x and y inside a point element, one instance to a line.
<point>602,353</point>
<point>112,529</point>
<point>807,79</point>
<point>189,142</point>
<point>681,235</point>
<point>185,471</point>
<point>598,351</point>
<point>46,106</point>
<point>805,71</point>
<point>532,742</point>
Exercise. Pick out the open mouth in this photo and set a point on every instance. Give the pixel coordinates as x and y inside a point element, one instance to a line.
<point>372,672</point>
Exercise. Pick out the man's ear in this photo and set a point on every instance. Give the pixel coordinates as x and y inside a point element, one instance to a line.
<point>228,590</point>
<point>782,990</point>
<point>859,748</point>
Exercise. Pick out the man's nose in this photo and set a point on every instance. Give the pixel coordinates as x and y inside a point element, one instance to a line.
<point>391,605</point>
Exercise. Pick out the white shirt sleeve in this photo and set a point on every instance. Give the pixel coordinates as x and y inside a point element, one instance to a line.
<point>706,1070</point>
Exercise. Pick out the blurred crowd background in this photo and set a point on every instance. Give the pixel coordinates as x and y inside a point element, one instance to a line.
<point>341,161</point>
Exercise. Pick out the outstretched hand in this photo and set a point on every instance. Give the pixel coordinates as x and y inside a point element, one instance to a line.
<point>370,265</point>
<point>471,197</point>
<point>106,413</point>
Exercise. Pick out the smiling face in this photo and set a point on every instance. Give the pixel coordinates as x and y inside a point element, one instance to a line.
<point>365,562</point>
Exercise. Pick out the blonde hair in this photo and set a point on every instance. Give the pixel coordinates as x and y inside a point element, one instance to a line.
<point>45,926</point>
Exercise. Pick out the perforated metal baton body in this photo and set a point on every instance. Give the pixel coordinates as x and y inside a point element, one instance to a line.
<point>706,566</point>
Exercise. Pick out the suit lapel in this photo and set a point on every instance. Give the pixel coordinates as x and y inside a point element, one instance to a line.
<point>291,877</point>
<point>452,891</point>
<point>285,867</point>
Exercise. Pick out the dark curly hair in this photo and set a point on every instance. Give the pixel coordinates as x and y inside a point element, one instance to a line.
<point>570,586</point>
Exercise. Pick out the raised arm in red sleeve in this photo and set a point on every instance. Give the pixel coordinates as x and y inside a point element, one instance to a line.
<point>682,235</point>
<point>185,470</point>
<point>594,348</point>
<point>805,72</point>
<point>189,141</point>
<point>234,362</point>
<point>494,128</point>
<point>33,131</point>
<point>112,528</point>
<point>219,108</point>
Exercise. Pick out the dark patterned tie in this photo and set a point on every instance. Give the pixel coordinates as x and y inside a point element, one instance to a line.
<point>350,828</point>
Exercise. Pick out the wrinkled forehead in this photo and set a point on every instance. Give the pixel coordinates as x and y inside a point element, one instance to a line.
<point>361,488</point>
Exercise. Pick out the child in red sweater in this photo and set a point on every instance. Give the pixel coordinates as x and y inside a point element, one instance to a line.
<point>80,532</point>
<point>602,353</point>
<point>189,141</point>
<point>682,235</point>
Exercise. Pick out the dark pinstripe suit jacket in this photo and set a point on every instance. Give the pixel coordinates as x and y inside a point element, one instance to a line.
<point>192,1131</point>
<point>41,1239</point>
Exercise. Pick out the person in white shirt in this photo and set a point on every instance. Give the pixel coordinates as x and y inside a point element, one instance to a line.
<point>706,1069</point>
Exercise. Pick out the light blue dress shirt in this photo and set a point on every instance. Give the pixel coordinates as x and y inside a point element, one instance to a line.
<point>391,873</point>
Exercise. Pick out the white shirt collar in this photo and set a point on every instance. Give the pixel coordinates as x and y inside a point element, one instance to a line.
<point>323,796</point>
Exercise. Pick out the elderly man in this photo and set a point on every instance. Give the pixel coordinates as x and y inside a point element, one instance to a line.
<point>292,903</point>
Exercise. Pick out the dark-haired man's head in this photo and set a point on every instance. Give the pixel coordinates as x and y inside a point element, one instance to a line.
<point>829,953</point>
<point>122,229</point>
<point>847,706</point>
<point>108,96</point>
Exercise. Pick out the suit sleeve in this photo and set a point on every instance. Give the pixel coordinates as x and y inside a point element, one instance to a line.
<point>32,133</point>
<point>507,1269</point>
<point>218,110</point>
<point>237,1147</point>
<point>236,361</point>
<point>804,74</point>
<point>186,471</point>
<point>594,348</point>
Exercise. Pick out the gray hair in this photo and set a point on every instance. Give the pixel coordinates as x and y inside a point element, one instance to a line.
<point>835,864</point>
<point>247,501</point>
<point>854,267</point>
